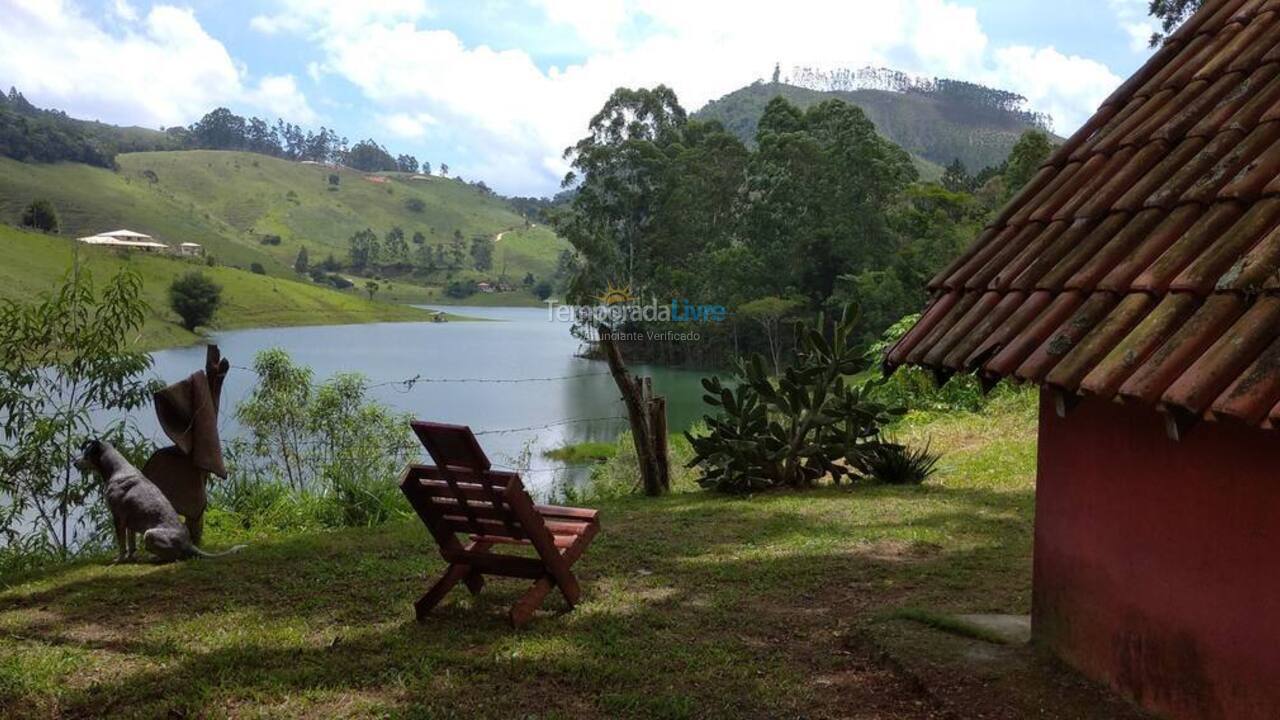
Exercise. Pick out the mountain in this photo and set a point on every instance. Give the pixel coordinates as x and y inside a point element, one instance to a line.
<point>937,121</point>
<point>250,208</point>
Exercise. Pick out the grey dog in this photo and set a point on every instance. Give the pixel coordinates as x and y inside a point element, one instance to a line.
<point>138,506</point>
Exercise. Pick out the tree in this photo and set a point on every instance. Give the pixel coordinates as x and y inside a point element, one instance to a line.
<point>371,287</point>
<point>365,249</point>
<point>394,245</point>
<point>41,215</point>
<point>770,312</point>
<point>407,163</point>
<point>257,269</point>
<point>426,168</point>
<point>1171,14</point>
<point>457,250</point>
<point>542,290</point>
<point>220,129</point>
<point>419,238</point>
<point>444,169</point>
<point>195,298</point>
<point>414,204</point>
<point>369,156</point>
<point>301,263</point>
<point>957,178</point>
<point>1025,159</point>
<point>66,365</point>
<point>334,180</point>
<point>482,252</point>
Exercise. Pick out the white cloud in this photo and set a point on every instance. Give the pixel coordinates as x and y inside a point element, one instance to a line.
<point>410,126</point>
<point>1068,87</point>
<point>1134,20</point>
<point>279,96</point>
<point>161,68</point>
<point>516,118</point>
<point>596,22</point>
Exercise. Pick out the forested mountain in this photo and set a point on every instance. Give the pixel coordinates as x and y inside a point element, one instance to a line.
<point>937,121</point>
<point>31,134</point>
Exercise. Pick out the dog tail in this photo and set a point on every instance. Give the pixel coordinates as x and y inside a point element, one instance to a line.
<point>195,551</point>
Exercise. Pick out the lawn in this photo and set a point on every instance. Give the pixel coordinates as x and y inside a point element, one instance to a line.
<point>781,605</point>
<point>35,263</point>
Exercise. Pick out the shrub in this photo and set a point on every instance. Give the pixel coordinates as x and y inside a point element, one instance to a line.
<point>797,428</point>
<point>40,215</point>
<point>195,298</point>
<point>542,290</point>
<point>895,464</point>
<point>334,180</point>
<point>257,269</point>
<point>270,240</point>
<point>66,366</point>
<point>414,204</point>
<point>461,289</point>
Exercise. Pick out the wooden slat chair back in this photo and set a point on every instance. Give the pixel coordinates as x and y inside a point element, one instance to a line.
<point>462,494</point>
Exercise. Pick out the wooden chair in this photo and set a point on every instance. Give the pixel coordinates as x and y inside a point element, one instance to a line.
<point>462,494</point>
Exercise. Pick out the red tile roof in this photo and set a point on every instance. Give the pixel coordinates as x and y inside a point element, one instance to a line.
<point>1142,262</point>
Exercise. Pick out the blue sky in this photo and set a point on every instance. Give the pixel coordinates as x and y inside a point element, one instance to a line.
<point>498,88</point>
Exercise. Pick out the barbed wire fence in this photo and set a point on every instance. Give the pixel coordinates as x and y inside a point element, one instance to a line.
<point>409,384</point>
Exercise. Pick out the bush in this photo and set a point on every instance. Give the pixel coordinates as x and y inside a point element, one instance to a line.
<point>414,204</point>
<point>542,290</point>
<point>895,464</point>
<point>795,429</point>
<point>461,289</point>
<point>195,298</point>
<point>40,215</point>
<point>270,240</point>
<point>334,180</point>
<point>257,269</point>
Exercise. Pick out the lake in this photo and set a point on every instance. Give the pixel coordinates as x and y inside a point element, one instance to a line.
<point>512,344</point>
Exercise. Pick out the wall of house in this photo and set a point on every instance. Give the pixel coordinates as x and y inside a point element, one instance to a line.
<point>1157,563</point>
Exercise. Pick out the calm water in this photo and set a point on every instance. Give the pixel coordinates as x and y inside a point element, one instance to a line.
<point>518,343</point>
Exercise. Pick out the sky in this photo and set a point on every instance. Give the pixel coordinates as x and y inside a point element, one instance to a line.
<point>498,88</point>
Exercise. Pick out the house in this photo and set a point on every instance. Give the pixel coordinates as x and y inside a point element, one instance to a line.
<point>190,249</point>
<point>484,287</point>
<point>1136,280</point>
<point>125,240</point>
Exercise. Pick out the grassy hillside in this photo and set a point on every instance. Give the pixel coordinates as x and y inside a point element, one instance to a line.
<point>933,128</point>
<point>33,263</point>
<point>229,201</point>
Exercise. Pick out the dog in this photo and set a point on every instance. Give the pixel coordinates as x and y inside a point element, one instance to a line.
<point>138,507</point>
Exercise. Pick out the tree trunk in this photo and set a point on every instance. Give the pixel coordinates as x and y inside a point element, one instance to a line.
<point>637,413</point>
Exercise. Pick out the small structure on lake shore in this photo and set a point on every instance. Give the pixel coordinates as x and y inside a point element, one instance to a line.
<point>1136,279</point>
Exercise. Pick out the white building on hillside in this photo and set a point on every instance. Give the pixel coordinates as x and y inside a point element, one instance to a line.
<point>125,240</point>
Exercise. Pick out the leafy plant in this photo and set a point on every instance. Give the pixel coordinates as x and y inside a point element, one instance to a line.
<point>329,439</point>
<point>66,365</point>
<point>40,215</point>
<point>896,464</point>
<point>791,430</point>
<point>195,298</point>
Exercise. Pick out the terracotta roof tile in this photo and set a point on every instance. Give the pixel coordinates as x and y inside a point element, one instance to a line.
<point>1142,262</point>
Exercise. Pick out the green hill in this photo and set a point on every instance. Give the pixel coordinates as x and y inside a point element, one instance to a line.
<point>936,127</point>
<point>246,208</point>
<point>33,263</point>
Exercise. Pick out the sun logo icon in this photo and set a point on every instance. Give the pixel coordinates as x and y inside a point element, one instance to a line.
<point>616,295</point>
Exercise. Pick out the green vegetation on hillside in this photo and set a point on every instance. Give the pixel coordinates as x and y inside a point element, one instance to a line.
<point>246,208</point>
<point>936,128</point>
<point>33,263</point>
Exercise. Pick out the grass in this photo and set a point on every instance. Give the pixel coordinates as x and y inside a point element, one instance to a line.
<point>581,453</point>
<point>228,201</point>
<point>695,605</point>
<point>34,263</point>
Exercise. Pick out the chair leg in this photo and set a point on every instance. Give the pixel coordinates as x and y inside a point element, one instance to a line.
<point>522,611</point>
<point>441,588</point>
<point>474,580</point>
